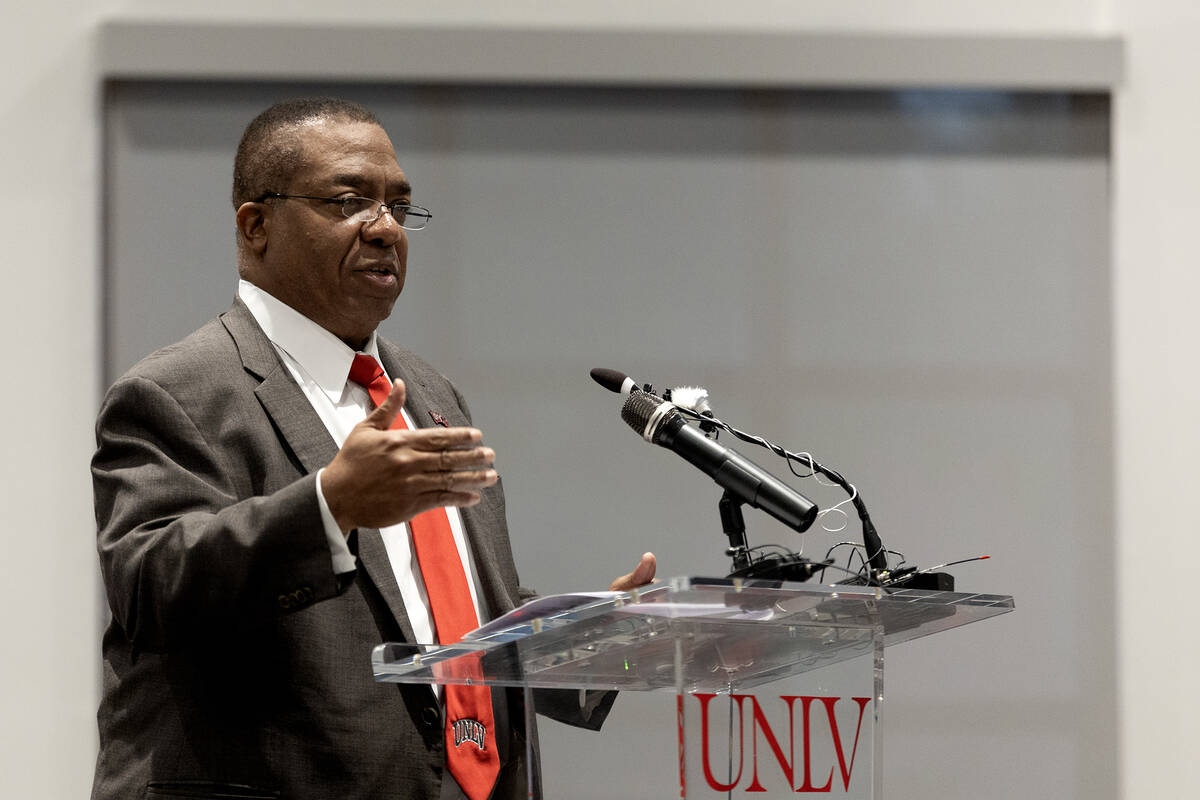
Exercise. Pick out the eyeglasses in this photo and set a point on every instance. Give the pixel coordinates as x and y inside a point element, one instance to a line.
<point>364,209</point>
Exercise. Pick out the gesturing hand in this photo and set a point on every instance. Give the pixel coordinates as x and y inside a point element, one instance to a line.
<point>381,477</point>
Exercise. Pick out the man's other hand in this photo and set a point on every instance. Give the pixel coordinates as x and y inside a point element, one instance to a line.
<point>382,477</point>
<point>642,574</point>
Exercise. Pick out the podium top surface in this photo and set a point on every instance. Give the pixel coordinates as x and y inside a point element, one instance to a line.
<point>688,634</point>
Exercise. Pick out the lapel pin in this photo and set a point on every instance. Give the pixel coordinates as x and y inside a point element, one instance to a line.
<point>439,419</point>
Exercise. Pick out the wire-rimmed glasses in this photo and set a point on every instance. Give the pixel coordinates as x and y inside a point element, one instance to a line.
<point>364,209</point>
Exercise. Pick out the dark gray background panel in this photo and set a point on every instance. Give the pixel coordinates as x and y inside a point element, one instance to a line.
<point>912,285</point>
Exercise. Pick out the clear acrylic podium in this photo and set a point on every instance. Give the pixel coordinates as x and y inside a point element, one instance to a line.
<point>778,686</point>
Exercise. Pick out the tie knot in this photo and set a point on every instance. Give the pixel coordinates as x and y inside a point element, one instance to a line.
<point>365,369</point>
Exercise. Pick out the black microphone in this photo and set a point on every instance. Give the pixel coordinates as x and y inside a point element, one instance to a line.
<point>614,381</point>
<point>659,423</point>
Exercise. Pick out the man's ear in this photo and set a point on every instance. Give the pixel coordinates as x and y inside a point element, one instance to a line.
<point>252,223</point>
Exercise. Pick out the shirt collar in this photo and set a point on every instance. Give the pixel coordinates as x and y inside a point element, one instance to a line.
<point>325,357</point>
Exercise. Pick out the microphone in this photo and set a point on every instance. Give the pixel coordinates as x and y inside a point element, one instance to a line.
<point>614,381</point>
<point>692,397</point>
<point>775,492</point>
<point>659,423</point>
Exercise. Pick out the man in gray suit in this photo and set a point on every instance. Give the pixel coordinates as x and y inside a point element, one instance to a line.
<point>252,506</point>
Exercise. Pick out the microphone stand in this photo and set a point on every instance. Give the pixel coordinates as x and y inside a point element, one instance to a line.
<point>789,567</point>
<point>734,525</point>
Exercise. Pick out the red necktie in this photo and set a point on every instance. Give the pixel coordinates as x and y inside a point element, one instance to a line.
<point>471,753</point>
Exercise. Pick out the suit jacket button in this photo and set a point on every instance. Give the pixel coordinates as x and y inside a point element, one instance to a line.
<point>430,716</point>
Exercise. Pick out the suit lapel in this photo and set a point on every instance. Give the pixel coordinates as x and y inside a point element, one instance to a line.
<point>373,557</point>
<point>294,417</point>
<point>305,434</point>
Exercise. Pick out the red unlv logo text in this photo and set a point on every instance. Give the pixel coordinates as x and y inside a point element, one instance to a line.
<point>785,746</point>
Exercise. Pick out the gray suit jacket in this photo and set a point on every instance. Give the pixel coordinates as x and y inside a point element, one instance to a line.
<point>236,663</point>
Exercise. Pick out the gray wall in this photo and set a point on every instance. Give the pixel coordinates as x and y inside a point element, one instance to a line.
<point>914,286</point>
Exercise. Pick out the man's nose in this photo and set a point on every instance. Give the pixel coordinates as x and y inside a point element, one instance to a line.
<point>384,230</point>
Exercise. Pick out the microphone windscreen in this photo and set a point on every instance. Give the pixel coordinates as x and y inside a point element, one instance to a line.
<point>609,378</point>
<point>693,397</point>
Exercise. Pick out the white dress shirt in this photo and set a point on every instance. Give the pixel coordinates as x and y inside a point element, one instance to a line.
<point>320,363</point>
